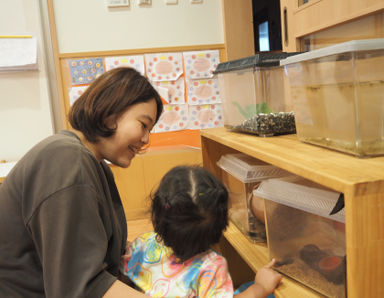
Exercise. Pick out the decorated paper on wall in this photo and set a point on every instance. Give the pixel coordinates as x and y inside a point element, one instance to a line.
<point>174,117</point>
<point>205,116</point>
<point>136,62</point>
<point>164,66</point>
<point>75,92</point>
<point>85,71</point>
<point>163,92</point>
<point>205,91</point>
<point>175,94</point>
<point>201,64</point>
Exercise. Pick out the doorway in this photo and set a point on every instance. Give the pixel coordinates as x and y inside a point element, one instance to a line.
<point>266,25</point>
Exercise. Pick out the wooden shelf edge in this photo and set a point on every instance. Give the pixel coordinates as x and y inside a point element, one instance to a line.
<point>256,256</point>
<point>330,168</point>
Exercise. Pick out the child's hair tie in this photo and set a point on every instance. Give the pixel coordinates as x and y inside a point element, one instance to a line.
<point>166,206</point>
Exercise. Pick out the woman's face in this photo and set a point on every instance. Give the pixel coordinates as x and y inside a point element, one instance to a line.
<point>132,133</point>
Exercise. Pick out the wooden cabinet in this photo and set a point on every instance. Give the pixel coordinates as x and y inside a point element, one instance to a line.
<point>361,181</point>
<point>307,25</point>
<point>238,29</point>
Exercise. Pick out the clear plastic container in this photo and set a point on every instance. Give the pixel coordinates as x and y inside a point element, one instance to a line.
<point>307,242</point>
<point>241,174</point>
<point>253,95</point>
<point>338,96</point>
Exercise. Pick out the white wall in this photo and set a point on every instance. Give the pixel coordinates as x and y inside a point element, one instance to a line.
<point>25,111</point>
<point>88,25</point>
<point>26,115</point>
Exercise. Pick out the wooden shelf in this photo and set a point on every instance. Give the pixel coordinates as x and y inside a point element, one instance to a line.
<point>329,168</point>
<point>256,256</point>
<point>361,181</point>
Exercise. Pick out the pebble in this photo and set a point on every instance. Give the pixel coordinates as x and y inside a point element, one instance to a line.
<point>270,124</point>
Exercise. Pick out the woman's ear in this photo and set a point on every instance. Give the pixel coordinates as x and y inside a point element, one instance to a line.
<point>111,122</point>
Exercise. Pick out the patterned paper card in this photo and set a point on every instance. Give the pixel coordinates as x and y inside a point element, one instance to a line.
<point>202,64</point>
<point>136,62</point>
<point>174,117</point>
<point>205,91</point>
<point>163,92</point>
<point>75,92</point>
<point>164,66</point>
<point>175,94</point>
<point>205,116</point>
<point>85,71</point>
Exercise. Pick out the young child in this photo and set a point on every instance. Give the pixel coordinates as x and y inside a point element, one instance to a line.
<point>189,214</point>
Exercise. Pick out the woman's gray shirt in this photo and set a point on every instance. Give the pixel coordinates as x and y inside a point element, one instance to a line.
<point>62,224</point>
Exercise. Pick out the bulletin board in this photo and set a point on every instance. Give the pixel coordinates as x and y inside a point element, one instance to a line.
<point>183,76</point>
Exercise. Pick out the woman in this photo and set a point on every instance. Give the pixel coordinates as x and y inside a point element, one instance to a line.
<point>62,224</point>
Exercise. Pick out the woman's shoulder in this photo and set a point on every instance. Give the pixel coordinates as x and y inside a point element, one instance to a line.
<point>59,149</point>
<point>57,165</point>
<point>60,159</point>
<point>63,142</point>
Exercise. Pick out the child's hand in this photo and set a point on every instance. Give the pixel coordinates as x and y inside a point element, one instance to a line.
<point>267,278</point>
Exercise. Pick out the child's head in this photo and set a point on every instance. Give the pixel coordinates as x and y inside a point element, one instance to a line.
<point>189,210</point>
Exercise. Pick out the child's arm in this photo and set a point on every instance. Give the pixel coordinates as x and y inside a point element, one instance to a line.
<point>266,281</point>
<point>125,258</point>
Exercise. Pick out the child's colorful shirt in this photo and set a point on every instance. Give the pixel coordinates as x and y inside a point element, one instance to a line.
<point>155,270</point>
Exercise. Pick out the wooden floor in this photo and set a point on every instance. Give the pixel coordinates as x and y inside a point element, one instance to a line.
<point>137,227</point>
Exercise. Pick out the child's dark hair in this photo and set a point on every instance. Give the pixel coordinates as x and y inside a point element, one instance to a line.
<point>189,210</point>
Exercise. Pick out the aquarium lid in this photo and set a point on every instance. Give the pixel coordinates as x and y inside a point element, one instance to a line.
<point>258,60</point>
<point>300,193</point>
<point>345,47</point>
<point>248,169</point>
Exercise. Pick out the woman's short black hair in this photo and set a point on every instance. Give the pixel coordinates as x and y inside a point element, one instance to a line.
<point>108,97</point>
<point>189,210</point>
